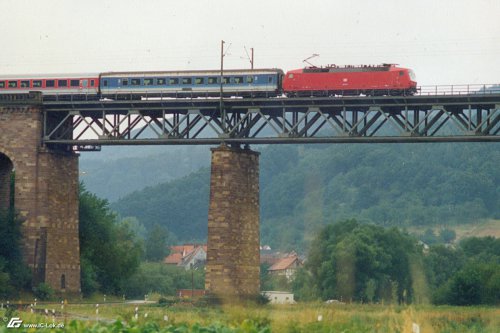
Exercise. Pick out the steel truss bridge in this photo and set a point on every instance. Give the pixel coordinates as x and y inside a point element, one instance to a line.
<point>449,116</point>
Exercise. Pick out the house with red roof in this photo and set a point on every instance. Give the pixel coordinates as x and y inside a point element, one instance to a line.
<point>286,266</point>
<point>187,256</point>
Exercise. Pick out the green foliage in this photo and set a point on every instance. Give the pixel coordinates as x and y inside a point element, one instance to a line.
<point>156,243</point>
<point>468,275</point>
<point>43,291</point>
<point>109,251</point>
<point>486,249</point>
<point>352,261</point>
<point>303,286</point>
<point>447,235</point>
<point>119,171</point>
<point>442,263</point>
<point>305,187</point>
<point>162,279</point>
<point>14,274</point>
<point>180,206</point>
<point>476,283</point>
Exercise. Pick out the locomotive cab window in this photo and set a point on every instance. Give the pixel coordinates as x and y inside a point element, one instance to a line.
<point>74,83</point>
<point>25,84</point>
<point>290,76</point>
<point>401,73</point>
<point>37,83</point>
<point>212,80</point>
<point>12,84</point>
<point>173,80</point>
<point>135,82</point>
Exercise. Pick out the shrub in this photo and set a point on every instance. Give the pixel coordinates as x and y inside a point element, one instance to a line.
<point>43,291</point>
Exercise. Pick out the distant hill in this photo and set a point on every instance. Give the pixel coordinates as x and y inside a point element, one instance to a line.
<point>117,171</point>
<point>304,187</point>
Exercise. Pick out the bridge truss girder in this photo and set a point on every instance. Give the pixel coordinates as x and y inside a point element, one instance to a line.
<point>271,121</point>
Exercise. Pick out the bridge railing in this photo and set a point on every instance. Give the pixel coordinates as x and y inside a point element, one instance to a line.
<point>460,89</point>
<point>432,90</point>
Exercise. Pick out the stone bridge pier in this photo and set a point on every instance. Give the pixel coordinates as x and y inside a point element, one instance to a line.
<point>233,255</point>
<point>45,195</point>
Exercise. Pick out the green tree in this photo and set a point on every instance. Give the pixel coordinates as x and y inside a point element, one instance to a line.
<point>156,243</point>
<point>109,251</point>
<point>14,274</point>
<point>447,235</point>
<point>352,261</point>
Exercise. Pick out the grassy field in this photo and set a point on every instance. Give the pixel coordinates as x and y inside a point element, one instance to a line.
<point>310,317</point>
<point>480,229</point>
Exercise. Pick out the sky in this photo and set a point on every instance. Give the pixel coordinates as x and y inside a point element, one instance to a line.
<point>444,42</point>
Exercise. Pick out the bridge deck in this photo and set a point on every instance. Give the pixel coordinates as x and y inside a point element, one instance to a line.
<point>86,122</point>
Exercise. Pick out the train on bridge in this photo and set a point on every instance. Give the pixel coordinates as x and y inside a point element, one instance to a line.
<point>332,80</point>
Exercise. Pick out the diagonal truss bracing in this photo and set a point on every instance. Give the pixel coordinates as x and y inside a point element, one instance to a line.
<point>274,120</point>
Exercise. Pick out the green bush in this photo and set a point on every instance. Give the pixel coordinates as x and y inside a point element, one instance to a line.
<point>43,291</point>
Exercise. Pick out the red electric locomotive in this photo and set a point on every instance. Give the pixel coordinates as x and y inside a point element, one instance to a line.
<point>385,79</point>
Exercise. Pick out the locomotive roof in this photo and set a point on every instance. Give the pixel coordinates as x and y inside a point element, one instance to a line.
<point>350,68</point>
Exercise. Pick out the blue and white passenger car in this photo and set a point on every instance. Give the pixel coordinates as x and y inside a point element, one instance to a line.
<point>206,83</point>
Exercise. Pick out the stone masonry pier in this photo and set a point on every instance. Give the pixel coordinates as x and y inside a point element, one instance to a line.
<point>45,196</point>
<point>233,255</point>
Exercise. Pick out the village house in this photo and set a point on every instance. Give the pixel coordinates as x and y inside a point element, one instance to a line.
<point>286,266</point>
<point>188,256</point>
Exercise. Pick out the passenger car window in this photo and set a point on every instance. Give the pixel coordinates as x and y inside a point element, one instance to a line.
<point>148,82</point>
<point>12,84</point>
<point>50,83</point>
<point>249,79</point>
<point>161,81</point>
<point>62,83</point>
<point>135,82</point>
<point>2,84</point>
<point>25,84</point>
<point>212,80</point>
<point>75,83</point>
<point>187,80</point>
<point>37,83</point>
<point>125,82</point>
<point>173,80</point>
<point>238,79</point>
<point>199,80</point>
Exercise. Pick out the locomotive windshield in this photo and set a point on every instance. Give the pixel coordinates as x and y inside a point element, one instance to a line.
<point>412,75</point>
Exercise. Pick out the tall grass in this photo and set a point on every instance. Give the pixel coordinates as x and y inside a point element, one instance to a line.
<point>271,318</point>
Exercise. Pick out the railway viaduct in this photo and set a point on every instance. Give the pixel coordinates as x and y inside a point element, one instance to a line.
<point>45,195</point>
<point>39,139</point>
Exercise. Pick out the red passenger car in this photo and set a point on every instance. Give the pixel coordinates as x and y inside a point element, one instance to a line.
<point>386,79</point>
<point>50,84</point>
